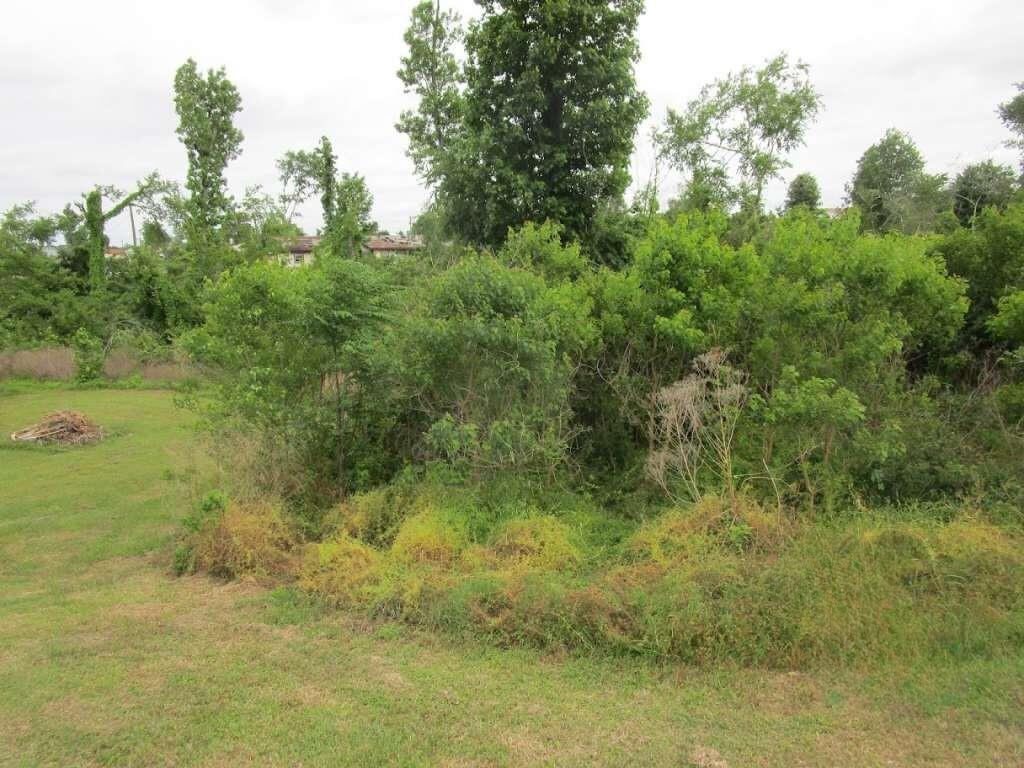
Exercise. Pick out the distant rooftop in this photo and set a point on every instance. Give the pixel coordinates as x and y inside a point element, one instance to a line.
<point>392,243</point>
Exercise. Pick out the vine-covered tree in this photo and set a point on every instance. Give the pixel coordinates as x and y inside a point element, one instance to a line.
<point>95,218</point>
<point>733,138</point>
<point>326,165</point>
<point>206,106</point>
<point>350,221</point>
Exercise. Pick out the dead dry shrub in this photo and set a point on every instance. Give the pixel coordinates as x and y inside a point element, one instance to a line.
<point>694,426</point>
<point>53,363</point>
<point>120,363</point>
<point>167,371</point>
<point>249,540</point>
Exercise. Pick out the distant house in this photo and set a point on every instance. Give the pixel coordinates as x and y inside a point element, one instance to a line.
<point>113,252</point>
<point>299,250</point>
<point>390,245</point>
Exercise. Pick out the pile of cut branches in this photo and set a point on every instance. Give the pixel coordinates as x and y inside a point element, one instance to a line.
<point>63,428</point>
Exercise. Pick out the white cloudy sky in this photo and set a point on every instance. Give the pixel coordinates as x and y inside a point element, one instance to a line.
<point>86,87</point>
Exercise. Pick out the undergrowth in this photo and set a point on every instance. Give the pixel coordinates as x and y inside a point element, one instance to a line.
<point>710,582</point>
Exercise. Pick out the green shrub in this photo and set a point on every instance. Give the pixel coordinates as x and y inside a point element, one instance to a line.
<point>340,570</point>
<point>89,355</point>
<point>429,538</point>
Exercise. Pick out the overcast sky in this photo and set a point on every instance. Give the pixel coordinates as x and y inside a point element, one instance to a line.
<point>86,87</point>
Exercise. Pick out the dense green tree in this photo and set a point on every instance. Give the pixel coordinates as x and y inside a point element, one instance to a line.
<point>281,345</point>
<point>815,314</point>
<point>38,301</point>
<point>980,186</point>
<point>206,106</point>
<point>545,127</point>
<point>891,188</point>
<point>803,191</point>
<point>734,137</point>
<point>990,258</point>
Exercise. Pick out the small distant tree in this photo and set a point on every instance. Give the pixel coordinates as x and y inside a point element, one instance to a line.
<point>733,138</point>
<point>980,186</point>
<point>804,191</point>
<point>206,106</point>
<point>297,171</point>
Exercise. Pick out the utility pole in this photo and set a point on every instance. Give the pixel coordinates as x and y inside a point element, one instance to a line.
<point>131,215</point>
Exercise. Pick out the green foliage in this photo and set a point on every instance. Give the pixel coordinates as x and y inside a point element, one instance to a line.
<point>491,348</point>
<point>282,344</point>
<point>349,224</point>
<point>733,138</point>
<point>990,258</point>
<point>39,300</point>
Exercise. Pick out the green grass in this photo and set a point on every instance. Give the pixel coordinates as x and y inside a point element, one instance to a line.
<point>106,659</point>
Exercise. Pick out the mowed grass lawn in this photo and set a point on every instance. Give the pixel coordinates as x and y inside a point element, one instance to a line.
<point>107,659</point>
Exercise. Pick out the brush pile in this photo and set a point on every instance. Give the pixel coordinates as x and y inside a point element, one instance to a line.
<point>61,428</point>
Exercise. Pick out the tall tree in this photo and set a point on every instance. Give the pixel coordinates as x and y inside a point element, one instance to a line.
<point>297,170</point>
<point>733,138</point>
<point>980,186</point>
<point>431,71</point>
<point>326,164</point>
<point>1012,114</point>
<point>803,191</point>
<point>303,172</point>
<point>545,126</point>
<point>206,106</point>
<point>891,188</point>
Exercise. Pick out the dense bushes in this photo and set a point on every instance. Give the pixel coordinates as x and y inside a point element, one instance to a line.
<point>678,458</point>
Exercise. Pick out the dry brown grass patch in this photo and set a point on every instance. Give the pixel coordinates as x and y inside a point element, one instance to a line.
<point>249,540</point>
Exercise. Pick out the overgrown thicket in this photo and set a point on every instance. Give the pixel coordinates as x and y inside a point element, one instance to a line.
<point>801,449</point>
<point>710,432</point>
